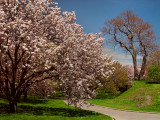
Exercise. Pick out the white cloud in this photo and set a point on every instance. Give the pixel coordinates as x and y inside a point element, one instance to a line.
<point>124,59</point>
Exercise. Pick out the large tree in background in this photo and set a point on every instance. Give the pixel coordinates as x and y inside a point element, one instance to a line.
<point>38,42</point>
<point>134,35</point>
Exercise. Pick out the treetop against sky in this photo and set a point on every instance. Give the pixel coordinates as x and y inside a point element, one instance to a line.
<point>92,14</point>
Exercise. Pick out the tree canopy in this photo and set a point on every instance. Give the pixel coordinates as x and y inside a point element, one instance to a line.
<point>134,35</point>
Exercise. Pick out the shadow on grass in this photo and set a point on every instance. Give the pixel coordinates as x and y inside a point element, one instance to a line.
<point>48,111</point>
<point>4,108</point>
<point>152,82</point>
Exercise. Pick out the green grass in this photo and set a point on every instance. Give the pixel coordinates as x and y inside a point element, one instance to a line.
<point>47,109</point>
<point>143,96</point>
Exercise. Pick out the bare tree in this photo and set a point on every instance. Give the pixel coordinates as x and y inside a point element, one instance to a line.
<point>134,35</point>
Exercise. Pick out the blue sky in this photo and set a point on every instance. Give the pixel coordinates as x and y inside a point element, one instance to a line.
<point>91,15</point>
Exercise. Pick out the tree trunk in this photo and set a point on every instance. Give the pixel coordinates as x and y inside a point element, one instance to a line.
<point>143,67</point>
<point>13,106</point>
<point>135,68</point>
<point>25,96</point>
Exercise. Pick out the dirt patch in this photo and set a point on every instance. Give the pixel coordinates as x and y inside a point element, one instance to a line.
<point>139,99</point>
<point>148,100</point>
<point>143,100</point>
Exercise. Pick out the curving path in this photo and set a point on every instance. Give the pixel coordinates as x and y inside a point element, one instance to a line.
<point>121,114</point>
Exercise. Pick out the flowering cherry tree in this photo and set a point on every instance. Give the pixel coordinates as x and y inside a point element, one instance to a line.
<point>26,54</point>
<point>38,42</point>
<point>81,59</point>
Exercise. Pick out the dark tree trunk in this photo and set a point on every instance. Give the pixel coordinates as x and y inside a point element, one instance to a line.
<point>25,96</point>
<point>13,106</point>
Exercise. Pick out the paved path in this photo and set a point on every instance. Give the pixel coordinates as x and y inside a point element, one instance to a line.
<point>121,114</point>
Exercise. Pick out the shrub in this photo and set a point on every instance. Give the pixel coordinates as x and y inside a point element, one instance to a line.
<point>117,82</point>
<point>119,77</point>
<point>154,73</point>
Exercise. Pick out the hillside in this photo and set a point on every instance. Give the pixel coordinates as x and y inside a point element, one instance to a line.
<point>143,96</point>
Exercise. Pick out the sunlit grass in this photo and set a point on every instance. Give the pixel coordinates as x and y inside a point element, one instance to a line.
<point>143,96</point>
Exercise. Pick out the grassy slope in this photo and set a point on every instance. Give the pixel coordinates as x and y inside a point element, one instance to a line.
<point>47,109</point>
<point>141,97</point>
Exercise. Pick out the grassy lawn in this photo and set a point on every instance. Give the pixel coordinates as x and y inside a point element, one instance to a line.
<point>143,96</point>
<point>47,109</point>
